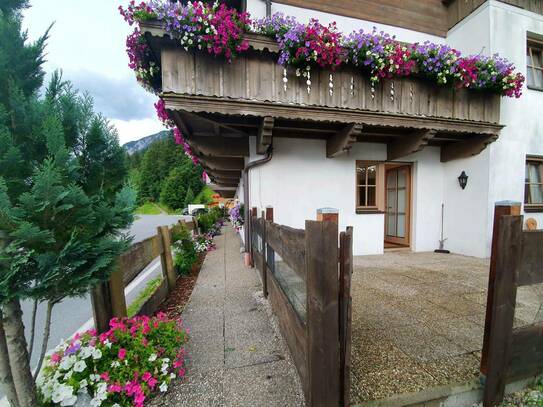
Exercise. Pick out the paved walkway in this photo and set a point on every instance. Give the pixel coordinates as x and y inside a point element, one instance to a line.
<point>237,357</point>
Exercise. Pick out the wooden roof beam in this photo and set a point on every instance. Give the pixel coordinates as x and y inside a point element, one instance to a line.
<point>223,174</point>
<point>226,183</point>
<point>409,144</point>
<point>221,146</point>
<point>343,140</point>
<point>223,163</point>
<point>264,136</point>
<point>467,148</point>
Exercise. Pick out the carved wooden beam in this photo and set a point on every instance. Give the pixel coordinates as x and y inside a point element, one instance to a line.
<point>223,163</point>
<point>223,174</point>
<point>409,144</point>
<point>264,136</point>
<point>221,146</point>
<point>343,140</point>
<point>226,183</point>
<point>467,148</point>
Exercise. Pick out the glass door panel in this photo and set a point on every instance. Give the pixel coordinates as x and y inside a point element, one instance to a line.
<point>397,205</point>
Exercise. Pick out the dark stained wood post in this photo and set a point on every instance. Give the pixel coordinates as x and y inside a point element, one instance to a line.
<point>321,246</point>
<point>101,307</point>
<point>503,208</point>
<point>506,267</point>
<point>268,216</point>
<point>251,231</point>
<point>166,259</point>
<point>345,313</point>
<point>116,292</point>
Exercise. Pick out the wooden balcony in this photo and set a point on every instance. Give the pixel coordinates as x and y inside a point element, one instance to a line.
<point>249,96</point>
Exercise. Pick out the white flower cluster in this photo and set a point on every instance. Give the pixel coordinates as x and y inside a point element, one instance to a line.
<point>55,384</point>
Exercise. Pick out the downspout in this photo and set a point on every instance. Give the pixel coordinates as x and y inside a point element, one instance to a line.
<point>247,211</point>
<point>268,8</point>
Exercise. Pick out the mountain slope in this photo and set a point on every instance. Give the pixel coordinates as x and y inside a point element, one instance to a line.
<point>139,145</point>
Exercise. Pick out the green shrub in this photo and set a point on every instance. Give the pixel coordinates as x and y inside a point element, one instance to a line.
<point>180,232</point>
<point>185,255</point>
<point>206,222</point>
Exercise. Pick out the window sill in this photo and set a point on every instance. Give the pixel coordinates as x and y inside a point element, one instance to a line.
<point>370,211</point>
<point>532,87</point>
<point>533,208</point>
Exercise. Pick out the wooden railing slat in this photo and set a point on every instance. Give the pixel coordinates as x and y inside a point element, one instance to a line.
<point>139,256</point>
<point>531,265</point>
<point>526,352</point>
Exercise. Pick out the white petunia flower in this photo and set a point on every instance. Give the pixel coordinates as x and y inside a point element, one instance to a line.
<point>163,387</point>
<point>115,363</point>
<point>96,353</point>
<point>80,366</point>
<point>153,357</point>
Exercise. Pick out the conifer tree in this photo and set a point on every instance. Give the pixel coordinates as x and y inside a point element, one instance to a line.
<point>63,202</point>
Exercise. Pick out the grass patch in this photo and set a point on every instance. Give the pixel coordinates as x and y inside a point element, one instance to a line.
<point>156,208</point>
<point>143,296</point>
<point>205,196</point>
<point>168,210</point>
<point>148,208</point>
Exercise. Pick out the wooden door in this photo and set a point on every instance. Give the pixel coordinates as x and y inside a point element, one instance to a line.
<point>398,205</point>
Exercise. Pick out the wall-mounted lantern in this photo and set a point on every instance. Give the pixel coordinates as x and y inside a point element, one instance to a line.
<point>463,180</point>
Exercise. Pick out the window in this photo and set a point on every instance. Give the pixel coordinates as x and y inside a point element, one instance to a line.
<point>534,69</point>
<point>533,189</point>
<point>369,187</point>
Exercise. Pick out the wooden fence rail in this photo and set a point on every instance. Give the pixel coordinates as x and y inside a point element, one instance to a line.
<point>517,260</point>
<point>305,261</point>
<point>108,299</point>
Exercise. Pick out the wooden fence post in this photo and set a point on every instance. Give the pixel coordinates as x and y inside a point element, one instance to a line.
<point>345,313</point>
<point>116,292</point>
<point>168,270</point>
<point>268,216</point>
<point>507,261</point>
<point>321,246</point>
<point>502,208</point>
<point>101,307</point>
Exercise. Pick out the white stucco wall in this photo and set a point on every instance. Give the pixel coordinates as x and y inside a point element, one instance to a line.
<point>300,179</point>
<point>500,28</point>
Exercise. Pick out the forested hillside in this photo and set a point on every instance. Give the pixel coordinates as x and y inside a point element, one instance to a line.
<point>162,173</point>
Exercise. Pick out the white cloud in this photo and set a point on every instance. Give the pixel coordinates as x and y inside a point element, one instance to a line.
<point>135,129</point>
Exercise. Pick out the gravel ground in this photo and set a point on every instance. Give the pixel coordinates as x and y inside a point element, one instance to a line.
<point>418,321</point>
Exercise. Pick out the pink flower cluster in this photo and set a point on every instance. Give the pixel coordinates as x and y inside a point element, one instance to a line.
<point>135,357</point>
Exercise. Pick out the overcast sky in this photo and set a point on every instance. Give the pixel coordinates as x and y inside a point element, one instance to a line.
<point>87,43</point>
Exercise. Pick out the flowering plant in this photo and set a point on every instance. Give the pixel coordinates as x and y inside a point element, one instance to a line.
<point>304,46</point>
<point>236,216</point>
<point>204,242</point>
<point>120,367</point>
<point>219,30</point>
<point>276,25</point>
<point>380,54</point>
<point>213,27</point>
<point>140,61</point>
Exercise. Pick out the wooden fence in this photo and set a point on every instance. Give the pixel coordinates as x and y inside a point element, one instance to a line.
<point>108,299</point>
<point>307,280</point>
<point>517,260</point>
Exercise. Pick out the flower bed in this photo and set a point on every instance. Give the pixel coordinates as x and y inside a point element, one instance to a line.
<point>219,31</point>
<point>135,358</point>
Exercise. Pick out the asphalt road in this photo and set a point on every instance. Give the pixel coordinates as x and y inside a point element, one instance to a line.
<point>73,314</point>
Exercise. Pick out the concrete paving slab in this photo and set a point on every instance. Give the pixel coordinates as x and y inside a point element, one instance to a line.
<point>236,355</point>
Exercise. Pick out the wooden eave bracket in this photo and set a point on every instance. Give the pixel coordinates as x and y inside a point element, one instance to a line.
<point>343,140</point>
<point>221,146</point>
<point>466,148</point>
<point>264,136</point>
<point>409,144</point>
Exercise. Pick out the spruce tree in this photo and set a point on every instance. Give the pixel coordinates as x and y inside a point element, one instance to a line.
<point>189,198</point>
